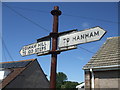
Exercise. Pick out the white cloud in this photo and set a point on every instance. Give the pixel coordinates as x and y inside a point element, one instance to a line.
<point>85,25</point>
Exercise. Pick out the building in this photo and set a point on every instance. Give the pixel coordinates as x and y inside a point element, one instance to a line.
<point>81,86</point>
<point>102,71</point>
<point>22,74</point>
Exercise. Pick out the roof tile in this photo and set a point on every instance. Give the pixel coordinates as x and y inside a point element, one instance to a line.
<point>107,55</point>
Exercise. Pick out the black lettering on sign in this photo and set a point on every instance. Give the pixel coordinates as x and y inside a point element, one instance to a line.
<point>82,36</point>
<point>30,51</point>
<point>78,37</point>
<point>29,47</point>
<point>26,47</point>
<point>40,44</point>
<point>34,46</point>
<point>37,50</point>
<point>87,35</point>
<point>66,40</point>
<point>91,34</point>
<point>24,52</point>
<point>74,38</point>
<point>96,33</point>
<point>43,46</point>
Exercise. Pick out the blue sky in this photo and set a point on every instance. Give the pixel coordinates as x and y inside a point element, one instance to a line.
<point>18,31</point>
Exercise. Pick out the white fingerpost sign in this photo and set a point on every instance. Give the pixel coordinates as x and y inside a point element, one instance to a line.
<point>79,37</point>
<point>40,47</point>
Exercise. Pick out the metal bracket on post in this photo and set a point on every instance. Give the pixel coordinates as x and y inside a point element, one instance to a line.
<point>53,34</point>
<point>55,52</point>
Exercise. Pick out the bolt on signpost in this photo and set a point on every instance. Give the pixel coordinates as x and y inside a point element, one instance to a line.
<point>56,12</point>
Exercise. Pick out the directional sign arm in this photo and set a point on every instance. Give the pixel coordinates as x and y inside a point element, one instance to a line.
<point>80,37</point>
<point>40,47</point>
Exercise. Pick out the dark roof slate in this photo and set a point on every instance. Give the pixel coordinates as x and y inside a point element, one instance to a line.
<point>107,55</point>
<point>15,64</point>
<point>16,67</point>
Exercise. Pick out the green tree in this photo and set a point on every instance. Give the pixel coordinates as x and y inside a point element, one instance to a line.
<point>69,84</point>
<point>61,77</point>
<point>62,83</point>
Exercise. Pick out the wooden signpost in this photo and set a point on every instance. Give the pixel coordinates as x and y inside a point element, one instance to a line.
<point>60,42</point>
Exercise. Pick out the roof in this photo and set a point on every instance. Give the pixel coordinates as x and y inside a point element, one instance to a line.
<point>16,67</point>
<point>107,55</point>
<point>15,64</point>
<point>81,85</point>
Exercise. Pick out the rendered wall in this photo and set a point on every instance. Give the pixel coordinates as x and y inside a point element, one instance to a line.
<point>103,79</point>
<point>107,79</point>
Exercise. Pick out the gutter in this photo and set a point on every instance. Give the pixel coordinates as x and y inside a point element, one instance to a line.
<point>92,79</point>
<point>112,66</point>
